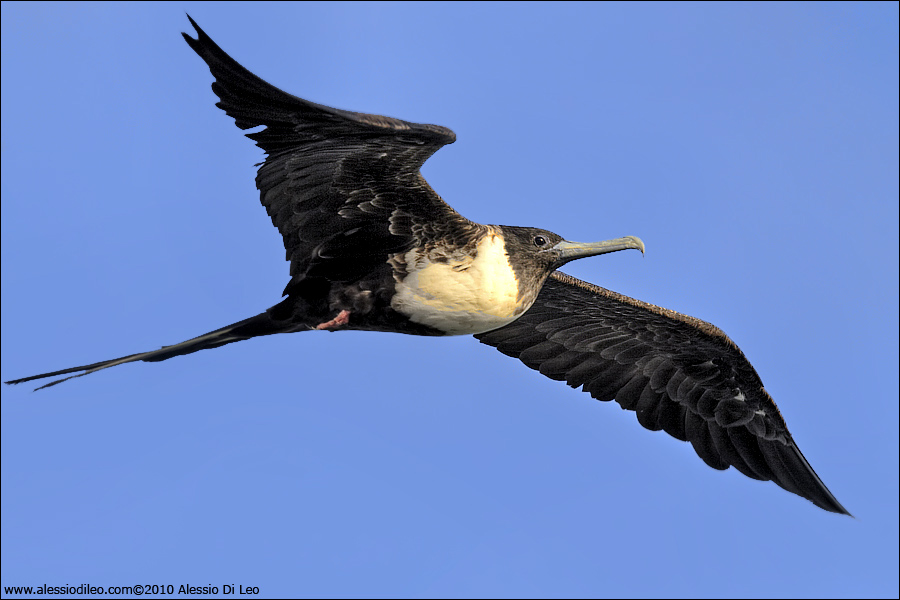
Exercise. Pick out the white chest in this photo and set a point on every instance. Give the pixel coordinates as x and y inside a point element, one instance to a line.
<point>471,295</point>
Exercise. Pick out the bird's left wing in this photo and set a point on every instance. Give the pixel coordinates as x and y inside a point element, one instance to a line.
<point>343,188</point>
<point>678,374</point>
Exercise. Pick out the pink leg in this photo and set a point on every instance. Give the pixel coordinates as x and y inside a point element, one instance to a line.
<point>342,319</point>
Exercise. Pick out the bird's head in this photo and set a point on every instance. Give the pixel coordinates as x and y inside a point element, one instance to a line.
<point>536,253</point>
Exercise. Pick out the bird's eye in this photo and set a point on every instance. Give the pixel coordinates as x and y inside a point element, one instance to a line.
<point>540,240</point>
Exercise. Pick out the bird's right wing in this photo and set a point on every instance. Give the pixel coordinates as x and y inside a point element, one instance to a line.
<point>343,188</point>
<point>678,374</point>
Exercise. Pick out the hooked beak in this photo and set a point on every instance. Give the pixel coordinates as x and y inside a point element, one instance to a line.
<point>569,251</point>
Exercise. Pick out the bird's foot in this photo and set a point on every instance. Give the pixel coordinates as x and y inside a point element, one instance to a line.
<point>342,319</point>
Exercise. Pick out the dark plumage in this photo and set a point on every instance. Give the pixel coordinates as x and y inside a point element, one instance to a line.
<point>678,374</point>
<point>373,247</point>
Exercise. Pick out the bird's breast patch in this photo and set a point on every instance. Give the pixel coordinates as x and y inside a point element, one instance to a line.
<point>461,295</point>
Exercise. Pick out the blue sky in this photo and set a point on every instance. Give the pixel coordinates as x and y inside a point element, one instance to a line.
<point>754,149</point>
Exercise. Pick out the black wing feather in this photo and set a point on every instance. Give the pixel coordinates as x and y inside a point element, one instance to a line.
<point>678,373</point>
<point>333,178</point>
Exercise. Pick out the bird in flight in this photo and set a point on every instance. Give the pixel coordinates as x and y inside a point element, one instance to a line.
<point>372,247</point>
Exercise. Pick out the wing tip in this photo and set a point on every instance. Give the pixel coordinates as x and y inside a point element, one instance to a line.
<point>824,498</point>
<point>200,33</point>
<point>206,48</point>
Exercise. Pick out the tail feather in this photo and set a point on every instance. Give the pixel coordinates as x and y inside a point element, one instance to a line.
<point>261,324</point>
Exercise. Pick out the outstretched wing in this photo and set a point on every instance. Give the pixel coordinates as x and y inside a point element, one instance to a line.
<point>343,188</point>
<point>678,374</point>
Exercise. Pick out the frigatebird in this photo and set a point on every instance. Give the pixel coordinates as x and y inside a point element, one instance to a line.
<point>372,247</point>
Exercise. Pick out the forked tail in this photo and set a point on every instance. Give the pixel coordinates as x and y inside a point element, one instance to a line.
<point>261,324</point>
